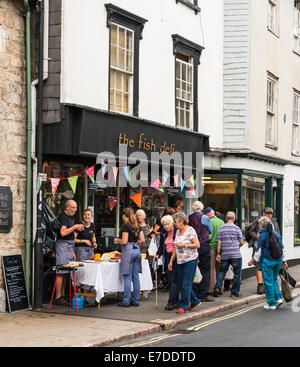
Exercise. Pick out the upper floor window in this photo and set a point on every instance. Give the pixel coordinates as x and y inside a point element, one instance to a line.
<point>296,38</point>
<point>296,123</point>
<point>121,69</point>
<point>193,4</point>
<point>184,91</point>
<point>273,15</point>
<point>125,35</point>
<point>271,122</point>
<point>187,59</point>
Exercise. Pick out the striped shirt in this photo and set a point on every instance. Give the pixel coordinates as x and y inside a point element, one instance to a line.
<point>230,236</point>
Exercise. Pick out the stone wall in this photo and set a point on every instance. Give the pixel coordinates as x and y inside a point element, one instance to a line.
<point>12,125</point>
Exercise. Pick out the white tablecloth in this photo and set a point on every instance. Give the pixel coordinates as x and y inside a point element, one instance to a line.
<point>105,277</point>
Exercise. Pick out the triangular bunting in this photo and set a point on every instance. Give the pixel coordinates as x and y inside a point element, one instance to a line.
<point>157,185</point>
<point>176,180</point>
<point>115,172</point>
<point>192,191</point>
<point>137,198</point>
<point>38,183</point>
<point>182,184</point>
<point>126,171</point>
<point>112,201</point>
<point>73,182</point>
<point>54,184</point>
<point>192,181</point>
<point>165,177</point>
<point>90,172</point>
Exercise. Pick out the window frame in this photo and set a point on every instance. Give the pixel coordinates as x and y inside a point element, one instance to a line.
<point>193,4</point>
<point>296,204</point>
<point>190,49</point>
<point>296,30</point>
<point>272,111</point>
<point>275,6</point>
<point>296,124</point>
<point>123,18</point>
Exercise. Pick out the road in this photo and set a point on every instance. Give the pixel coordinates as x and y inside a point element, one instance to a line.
<point>247,326</point>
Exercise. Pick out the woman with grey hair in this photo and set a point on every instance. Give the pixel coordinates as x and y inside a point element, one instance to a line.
<point>141,219</point>
<point>185,251</point>
<point>166,248</point>
<point>270,256</point>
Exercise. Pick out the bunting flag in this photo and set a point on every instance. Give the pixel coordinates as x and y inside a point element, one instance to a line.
<point>126,171</point>
<point>54,184</point>
<point>112,201</point>
<point>157,185</point>
<point>91,173</point>
<point>165,177</point>
<point>192,191</point>
<point>73,182</point>
<point>176,180</point>
<point>39,181</point>
<point>115,172</point>
<point>103,169</point>
<point>137,198</point>
<point>192,181</point>
<point>182,184</point>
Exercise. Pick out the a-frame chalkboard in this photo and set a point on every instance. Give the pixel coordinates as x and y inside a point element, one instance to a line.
<point>16,292</point>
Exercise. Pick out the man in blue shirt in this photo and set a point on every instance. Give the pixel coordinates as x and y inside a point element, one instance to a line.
<point>203,228</point>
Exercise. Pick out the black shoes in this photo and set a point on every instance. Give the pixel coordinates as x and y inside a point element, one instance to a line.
<point>207,299</point>
<point>121,304</point>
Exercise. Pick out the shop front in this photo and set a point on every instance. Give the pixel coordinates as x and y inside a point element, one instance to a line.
<point>243,191</point>
<point>71,153</point>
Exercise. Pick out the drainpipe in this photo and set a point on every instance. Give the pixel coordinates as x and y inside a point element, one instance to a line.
<point>28,155</point>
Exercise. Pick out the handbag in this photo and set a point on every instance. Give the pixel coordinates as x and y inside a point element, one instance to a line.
<point>152,249</point>
<point>198,276</point>
<point>286,290</point>
<point>288,277</point>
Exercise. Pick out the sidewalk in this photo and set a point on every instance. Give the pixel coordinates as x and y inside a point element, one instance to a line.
<point>64,327</point>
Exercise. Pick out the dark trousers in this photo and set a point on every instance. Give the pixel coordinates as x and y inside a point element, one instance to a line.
<point>172,281</point>
<point>202,288</point>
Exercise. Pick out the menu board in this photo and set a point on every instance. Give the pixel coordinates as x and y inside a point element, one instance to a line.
<point>5,209</point>
<point>15,283</point>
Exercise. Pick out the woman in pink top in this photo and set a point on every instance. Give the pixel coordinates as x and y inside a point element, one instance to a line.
<point>166,249</point>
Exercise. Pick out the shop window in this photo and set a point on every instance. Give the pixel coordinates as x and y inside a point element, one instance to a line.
<point>221,192</point>
<point>296,215</point>
<point>296,123</point>
<point>125,34</point>
<point>253,198</point>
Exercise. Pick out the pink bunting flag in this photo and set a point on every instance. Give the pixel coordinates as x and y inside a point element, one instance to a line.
<point>91,173</point>
<point>112,201</point>
<point>157,185</point>
<point>176,179</point>
<point>54,184</point>
<point>115,172</point>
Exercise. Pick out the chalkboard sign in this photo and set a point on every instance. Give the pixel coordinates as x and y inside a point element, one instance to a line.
<point>5,209</point>
<point>15,283</point>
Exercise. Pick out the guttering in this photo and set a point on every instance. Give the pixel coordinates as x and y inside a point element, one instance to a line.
<point>27,236</point>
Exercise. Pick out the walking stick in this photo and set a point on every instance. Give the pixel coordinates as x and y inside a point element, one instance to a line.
<point>156,266</point>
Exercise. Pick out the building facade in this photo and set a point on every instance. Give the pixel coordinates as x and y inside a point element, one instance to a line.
<point>13,134</point>
<point>258,163</point>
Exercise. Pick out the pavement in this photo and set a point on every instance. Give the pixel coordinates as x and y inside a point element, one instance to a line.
<point>92,327</point>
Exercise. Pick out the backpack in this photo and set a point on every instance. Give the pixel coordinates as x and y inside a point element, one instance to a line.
<point>248,237</point>
<point>274,246</point>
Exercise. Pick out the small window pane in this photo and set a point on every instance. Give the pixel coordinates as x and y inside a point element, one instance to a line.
<point>122,37</point>
<point>113,34</point>
<point>113,56</point>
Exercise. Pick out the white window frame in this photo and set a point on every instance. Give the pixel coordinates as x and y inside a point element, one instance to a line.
<point>271,112</point>
<point>296,32</point>
<point>296,123</point>
<point>113,69</point>
<point>273,16</point>
<point>184,104</point>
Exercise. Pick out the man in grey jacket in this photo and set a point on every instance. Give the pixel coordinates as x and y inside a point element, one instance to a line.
<point>268,212</point>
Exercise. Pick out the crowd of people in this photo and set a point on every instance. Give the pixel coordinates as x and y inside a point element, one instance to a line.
<point>204,239</point>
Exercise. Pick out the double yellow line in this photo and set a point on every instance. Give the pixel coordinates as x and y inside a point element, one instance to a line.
<point>196,327</point>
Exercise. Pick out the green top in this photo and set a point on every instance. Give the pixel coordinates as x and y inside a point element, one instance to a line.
<point>216,224</point>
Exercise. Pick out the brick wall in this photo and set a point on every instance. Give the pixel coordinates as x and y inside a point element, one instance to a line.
<point>12,125</point>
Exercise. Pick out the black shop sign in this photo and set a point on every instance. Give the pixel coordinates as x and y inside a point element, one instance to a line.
<point>14,278</point>
<point>6,217</point>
